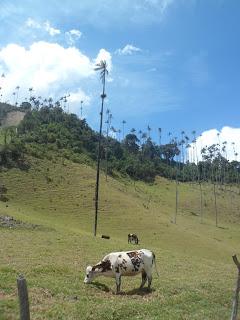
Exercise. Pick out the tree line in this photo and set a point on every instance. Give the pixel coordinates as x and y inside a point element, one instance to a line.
<point>50,128</point>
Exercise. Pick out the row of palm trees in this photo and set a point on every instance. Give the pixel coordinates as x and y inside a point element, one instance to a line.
<point>36,101</point>
<point>188,155</point>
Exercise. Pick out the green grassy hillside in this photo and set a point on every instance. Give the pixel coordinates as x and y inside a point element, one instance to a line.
<point>197,274</point>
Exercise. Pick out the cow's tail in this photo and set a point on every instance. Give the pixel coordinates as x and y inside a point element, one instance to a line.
<point>155,265</point>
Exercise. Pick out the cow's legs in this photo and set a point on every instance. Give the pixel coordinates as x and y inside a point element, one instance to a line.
<point>149,277</point>
<point>144,279</point>
<point>118,282</point>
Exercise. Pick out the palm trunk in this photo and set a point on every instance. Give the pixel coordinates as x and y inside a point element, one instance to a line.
<point>176,206</point>
<point>98,160</point>
<point>201,202</point>
<point>215,204</point>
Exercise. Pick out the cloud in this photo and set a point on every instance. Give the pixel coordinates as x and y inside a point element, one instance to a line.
<point>52,31</point>
<point>31,23</point>
<point>72,36</point>
<point>213,136</point>
<point>50,69</point>
<point>105,56</point>
<point>129,49</point>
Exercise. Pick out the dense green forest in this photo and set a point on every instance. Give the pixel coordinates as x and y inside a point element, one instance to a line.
<point>49,131</point>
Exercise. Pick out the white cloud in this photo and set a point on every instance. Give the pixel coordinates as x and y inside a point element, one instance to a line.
<point>72,36</point>
<point>129,49</point>
<point>213,136</point>
<point>31,23</point>
<point>78,96</point>
<point>50,69</point>
<point>105,56</point>
<point>52,31</point>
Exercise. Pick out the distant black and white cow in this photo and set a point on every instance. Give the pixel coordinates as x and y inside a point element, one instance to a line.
<point>133,238</point>
<point>126,263</point>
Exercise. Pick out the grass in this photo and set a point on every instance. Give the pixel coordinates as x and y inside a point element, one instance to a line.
<point>197,275</point>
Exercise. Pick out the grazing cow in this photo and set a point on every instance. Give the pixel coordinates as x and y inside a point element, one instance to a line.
<point>126,263</point>
<point>132,238</point>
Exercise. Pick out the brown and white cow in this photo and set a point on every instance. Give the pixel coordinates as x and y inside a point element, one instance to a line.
<point>132,237</point>
<point>125,263</point>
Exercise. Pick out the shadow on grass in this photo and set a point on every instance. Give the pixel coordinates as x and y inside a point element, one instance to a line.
<point>101,286</point>
<point>137,291</point>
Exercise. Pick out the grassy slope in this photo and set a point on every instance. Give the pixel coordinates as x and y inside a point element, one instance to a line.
<point>194,259</point>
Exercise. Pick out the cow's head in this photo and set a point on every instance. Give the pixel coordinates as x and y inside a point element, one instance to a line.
<point>89,275</point>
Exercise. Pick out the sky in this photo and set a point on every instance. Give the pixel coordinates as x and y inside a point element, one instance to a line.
<point>173,64</point>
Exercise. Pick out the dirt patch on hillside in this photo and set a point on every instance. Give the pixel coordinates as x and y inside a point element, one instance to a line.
<point>11,223</point>
<point>13,118</point>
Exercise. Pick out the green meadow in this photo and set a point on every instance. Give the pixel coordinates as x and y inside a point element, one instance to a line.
<point>194,257</point>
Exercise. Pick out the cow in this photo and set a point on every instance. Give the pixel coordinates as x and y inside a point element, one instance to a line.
<point>125,263</point>
<point>133,238</point>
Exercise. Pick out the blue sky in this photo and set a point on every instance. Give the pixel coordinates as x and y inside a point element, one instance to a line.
<point>174,63</point>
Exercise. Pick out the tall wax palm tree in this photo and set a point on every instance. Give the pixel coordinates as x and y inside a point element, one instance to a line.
<point>81,108</point>
<point>160,141</point>
<point>119,134</point>
<point>14,98</point>
<point>186,148</point>
<point>123,126</point>
<point>108,122</point>
<point>169,135</point>
<point>182,144</point>
<point>30,93</point>
<point>160,136</point>
<point>149,131</point>
<point>17,93</point>
<point>2,84</point>
<point>133,130</point>
<point>144,137</point>
<point>140,137</point>
<point>102,68</point>
<point>177,167</point>
<point>193,146</point>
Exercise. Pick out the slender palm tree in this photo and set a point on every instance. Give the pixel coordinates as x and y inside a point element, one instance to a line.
<point>30,93</point>
<point>123,124</point>
<point>182,145</point>
<point>2,82</point>
<point>176,189</point>
<point>108,122</point>
<point>169,135</point>
<point>144,137</point>
<point>81,108</point>
<point>160,136</point>
<point>102,68</point>
<point>149,131</point>
<point>17,93</point>
<point>140,136</point>
<point>133,130</point>
<point>14,98</point>
<point>119,134</point>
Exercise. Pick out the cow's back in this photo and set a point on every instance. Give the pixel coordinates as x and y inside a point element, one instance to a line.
<point>130,263</point>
